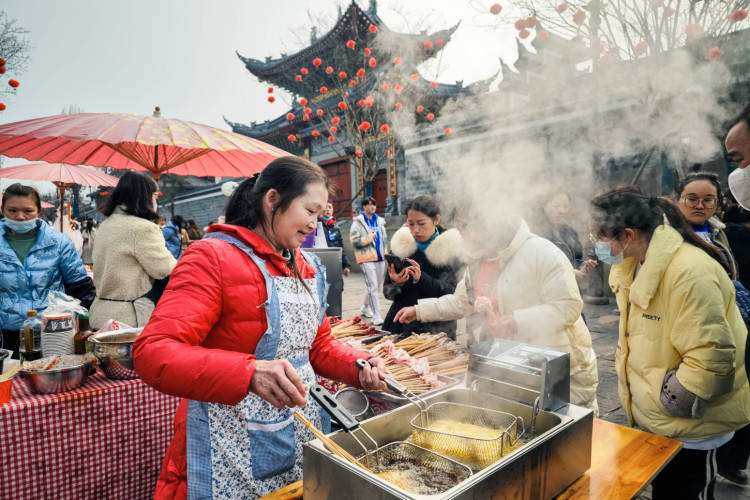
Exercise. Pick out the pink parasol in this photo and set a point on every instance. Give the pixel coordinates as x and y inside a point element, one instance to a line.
<point>137,142</point>
<point>61,175</point>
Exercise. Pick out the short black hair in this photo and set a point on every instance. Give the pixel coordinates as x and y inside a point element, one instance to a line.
<point>744,116</point>
<point>135,191</point>
<point>369,200</point>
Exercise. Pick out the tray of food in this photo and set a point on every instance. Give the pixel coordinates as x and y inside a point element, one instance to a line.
<point>58,373</point>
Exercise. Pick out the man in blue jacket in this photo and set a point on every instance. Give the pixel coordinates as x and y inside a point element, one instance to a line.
<point>171,234</point>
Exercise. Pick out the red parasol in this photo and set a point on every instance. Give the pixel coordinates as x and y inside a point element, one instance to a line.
<point>61,175</point>
<point>137,142</point>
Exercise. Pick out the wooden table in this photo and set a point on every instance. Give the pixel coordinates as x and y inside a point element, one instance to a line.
<point>623,462</point>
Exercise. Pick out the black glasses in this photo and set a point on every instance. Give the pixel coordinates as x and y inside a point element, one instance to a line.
<point>692,201</point>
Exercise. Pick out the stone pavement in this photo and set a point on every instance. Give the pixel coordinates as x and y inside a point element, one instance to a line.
<point>603,324</point>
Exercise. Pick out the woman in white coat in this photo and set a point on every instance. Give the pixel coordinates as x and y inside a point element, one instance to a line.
<point>527,290</point>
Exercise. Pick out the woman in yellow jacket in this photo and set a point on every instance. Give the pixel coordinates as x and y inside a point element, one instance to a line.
<point>680,353</point>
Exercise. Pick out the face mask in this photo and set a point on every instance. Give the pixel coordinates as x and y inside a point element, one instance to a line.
<point>603,251</point>
<point>739,185</point>
<point>21,226</point>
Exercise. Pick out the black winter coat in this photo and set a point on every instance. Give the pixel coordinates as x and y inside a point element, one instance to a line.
<point>334,239</point>
<point>440,264</point>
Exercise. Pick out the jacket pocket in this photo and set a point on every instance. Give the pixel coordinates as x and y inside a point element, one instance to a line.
<point>272,448</point>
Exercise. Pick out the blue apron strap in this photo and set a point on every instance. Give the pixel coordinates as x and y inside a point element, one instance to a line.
<point>321,283</point>
<point>198,451</point>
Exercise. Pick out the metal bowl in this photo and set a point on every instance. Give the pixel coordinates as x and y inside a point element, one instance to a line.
<point>57,380</point>
<point>114,352</point>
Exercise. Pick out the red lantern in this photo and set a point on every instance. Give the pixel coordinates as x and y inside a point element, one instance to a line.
<point>398,88</point>
<point>427,45</point>
<point>397,61</point>
<point>317,62</point>
<point>335,120</point>
<point>323,89</point>
<point>361,72</point>
<point>447,131</point>
<point>399,105</point>
<point>270,90</point>
<point>738,15</point>
<point>420,108</point>
<point>298,78</point>
<point>520,24</point>
<point>579,17</point>
<point>496,8</point>
<point>315,133</point>
<point>291,137</point>
<point>364,126</point>
<point>693,30</point>
<point>2,106</point>
<point>367,51</point>
<point>307,111</point>
<point>714,54</point>
<point>105,193</point>
<point>385,128</point>
<point>271,98</point>
<point>290,116</point>
<point>329,70</point>
<point>531,22</point>
<point>358,153</point>
<point>562,7</point>
<point>342,75</point>
<point>373,28</point>
<point>334,129</point>
<point>372,62</point>
<point>331,138</point>
<point>351,44</point>
<point>342,105</point>
<point>305,118</point>
<point>303,101</point>
<point>385,86</point>
<point>433,85</point>
<point>361,102</point>
<point>640,48</point>
<point>430,116</point>
<point>439,42</point>
<point>303,71</point>
<point>2,69</point>
<point>2,61</point>
<point>524,33</point>
<point>13,83</point>
<point>542,35</point>
<point>414,77</point>
<point>319,112</point>
<point>352,83</point>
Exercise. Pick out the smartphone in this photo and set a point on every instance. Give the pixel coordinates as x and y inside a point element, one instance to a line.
<point>398,263</point>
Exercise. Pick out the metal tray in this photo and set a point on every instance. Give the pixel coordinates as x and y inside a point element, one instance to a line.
<point>400,400</point>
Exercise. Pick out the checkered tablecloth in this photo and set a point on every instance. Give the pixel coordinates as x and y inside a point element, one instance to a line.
<point>104,440</point>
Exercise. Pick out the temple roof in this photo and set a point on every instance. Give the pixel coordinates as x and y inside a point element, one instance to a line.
<point>353,24</point>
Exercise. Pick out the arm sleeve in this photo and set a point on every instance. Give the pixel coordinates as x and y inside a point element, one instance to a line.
<point>358,237</point>
<point>391,290</point>
<point>446,308</point>
<point>332,359</point>
<point>168,354</point>
<point>152,254</point>
<point>701,334</point>
<point>561,305</point>
<point>436,286</point>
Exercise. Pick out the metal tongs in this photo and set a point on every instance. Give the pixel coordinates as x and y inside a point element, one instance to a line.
<point>399,389</point>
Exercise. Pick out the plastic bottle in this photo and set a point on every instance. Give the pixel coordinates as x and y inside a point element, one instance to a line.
<point>30,342</point>
<point>84,332</point>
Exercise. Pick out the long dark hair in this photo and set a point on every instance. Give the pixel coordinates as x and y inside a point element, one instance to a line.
<point>616,210</point>
<point>289,176</point>
<point>703,176</point>
<point>19,189</point>
<point>427,205</point>
<point>135,191</point>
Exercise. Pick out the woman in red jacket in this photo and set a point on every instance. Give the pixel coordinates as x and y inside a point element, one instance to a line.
<point>240,333</point>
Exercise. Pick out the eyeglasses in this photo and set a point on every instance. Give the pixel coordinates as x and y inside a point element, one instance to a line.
<point>692,201</point>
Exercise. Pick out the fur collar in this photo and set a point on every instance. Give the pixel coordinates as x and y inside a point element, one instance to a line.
<point>445,250</point>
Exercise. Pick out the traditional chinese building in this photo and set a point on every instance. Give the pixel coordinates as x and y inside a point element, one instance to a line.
<point>318,67</point>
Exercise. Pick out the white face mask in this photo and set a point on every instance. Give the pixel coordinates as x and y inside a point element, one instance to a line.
<point>739,185</point>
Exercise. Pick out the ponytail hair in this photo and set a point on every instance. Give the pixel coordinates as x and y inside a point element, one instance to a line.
<point>616,210</point>
<point>289,176</point>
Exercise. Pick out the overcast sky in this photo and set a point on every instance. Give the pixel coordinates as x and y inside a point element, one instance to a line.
<point>129,56</point>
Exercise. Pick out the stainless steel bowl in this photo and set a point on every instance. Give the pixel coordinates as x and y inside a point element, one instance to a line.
<point>114,352</point>
<point>57,380</point>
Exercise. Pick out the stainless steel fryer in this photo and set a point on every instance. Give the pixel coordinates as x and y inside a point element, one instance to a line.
<point>555,452</point>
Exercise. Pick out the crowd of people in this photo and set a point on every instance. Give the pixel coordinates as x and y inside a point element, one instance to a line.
<point>234,319</point>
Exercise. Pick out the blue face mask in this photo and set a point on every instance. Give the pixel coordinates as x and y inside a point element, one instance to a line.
<point>21,226</point>
<point>603,251</point>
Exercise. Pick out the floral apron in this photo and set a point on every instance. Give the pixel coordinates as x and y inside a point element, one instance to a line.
<point>252,448</point>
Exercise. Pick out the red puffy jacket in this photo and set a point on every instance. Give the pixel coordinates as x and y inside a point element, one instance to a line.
<point>200,340</point>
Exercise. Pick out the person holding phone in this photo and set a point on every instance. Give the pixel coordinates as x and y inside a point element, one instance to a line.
<point>424,262</point>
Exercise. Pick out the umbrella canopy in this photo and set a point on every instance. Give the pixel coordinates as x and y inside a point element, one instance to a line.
<point>60,174</point>
<point>137,142</point>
